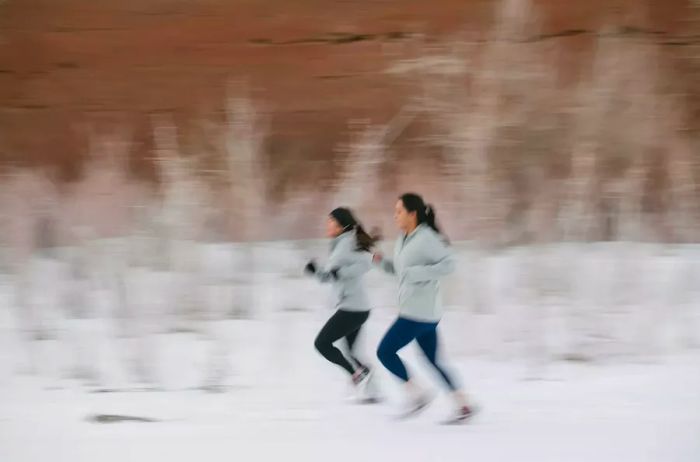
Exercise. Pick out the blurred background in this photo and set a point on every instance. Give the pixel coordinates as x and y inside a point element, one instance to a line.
<point>167,166</point>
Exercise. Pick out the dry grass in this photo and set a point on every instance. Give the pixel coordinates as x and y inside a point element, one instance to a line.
<point>607,159</point>
<point>616,155</point>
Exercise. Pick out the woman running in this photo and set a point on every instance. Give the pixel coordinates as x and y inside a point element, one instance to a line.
<point>421,257</point>
<point>349,260</point>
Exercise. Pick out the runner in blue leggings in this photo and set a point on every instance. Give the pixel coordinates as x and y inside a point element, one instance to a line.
<point>422,256</point>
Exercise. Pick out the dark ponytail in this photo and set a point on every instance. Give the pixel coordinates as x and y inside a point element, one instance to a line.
<point>365,241</point>
<point>425,213</point>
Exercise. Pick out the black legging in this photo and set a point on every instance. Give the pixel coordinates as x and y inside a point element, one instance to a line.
<point>342,324</point>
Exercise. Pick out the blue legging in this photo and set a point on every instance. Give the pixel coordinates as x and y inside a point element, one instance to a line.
<point>400,334</point>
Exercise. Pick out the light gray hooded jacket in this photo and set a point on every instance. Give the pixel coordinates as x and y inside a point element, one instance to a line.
<point>420,260</point>
<point>351,264</point>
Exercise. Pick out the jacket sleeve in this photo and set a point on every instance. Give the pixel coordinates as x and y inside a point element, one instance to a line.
<point>323,272</point>
<point>347,262</point>
<point>355,267</point>
<point>387,264</point>
<point>323,275</point>
<point>444,263</point>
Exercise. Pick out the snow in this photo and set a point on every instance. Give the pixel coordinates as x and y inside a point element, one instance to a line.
<point>221,387</point>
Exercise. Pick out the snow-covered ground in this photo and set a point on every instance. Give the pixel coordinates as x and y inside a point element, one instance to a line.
<point>579,352</point>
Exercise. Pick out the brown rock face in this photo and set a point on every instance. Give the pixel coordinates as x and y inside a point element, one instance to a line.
<point>70,69</point>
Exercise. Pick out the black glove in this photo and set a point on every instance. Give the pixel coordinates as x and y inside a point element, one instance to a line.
<point>334,273</point>
<point>310,267</point>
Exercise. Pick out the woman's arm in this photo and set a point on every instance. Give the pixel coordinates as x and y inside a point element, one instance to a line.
<point>359,265</point>
<point>385,264</point>
<point>443,264</point>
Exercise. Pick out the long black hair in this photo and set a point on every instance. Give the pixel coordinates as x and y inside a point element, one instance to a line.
<point>347,220</point>
<point>425,213</point>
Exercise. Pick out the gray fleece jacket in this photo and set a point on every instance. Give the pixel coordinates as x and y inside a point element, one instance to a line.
<point>420,260</point>
<point>350,265</point>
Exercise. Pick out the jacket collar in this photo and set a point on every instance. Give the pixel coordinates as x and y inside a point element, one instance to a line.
<point>340,238</point>
<point>412,234</point>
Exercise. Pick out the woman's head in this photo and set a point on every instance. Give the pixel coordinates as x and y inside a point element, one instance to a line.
<point>411,211</point>
<point>341,220</point>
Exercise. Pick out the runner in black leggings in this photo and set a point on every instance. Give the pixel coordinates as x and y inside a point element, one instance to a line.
<point>346,324</point>
<point>349,260</point>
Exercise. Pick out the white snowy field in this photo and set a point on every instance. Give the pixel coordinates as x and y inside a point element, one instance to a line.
<point>585,352</point>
